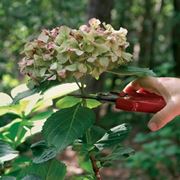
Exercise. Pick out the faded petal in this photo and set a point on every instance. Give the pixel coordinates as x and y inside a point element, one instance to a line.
<point>104,61</point>
<point>43,37</point>
<point>94,23</point>
<point>82,68</point>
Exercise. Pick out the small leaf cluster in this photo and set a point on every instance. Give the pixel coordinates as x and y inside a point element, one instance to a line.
<point>63,52</point>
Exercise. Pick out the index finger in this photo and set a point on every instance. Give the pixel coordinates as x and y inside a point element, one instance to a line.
<point>150,84</point>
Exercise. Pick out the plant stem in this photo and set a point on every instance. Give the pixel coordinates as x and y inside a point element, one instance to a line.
<point>97,97</point>
<point>81,87</point>
<point>95,167</point>
<point>77,83</point>
<point>121,74</point>
<point>92,158</point>
<point>18,135</point>
<point>83,94</point>
<point>84,97</point>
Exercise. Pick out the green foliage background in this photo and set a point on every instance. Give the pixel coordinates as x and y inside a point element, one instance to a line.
<point>150,25</point>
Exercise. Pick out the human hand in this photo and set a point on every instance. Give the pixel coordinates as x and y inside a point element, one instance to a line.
<point>169,89</point>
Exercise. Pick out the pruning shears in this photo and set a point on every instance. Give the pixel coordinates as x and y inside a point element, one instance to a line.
<point>141,101</point>
<point>137,101</point>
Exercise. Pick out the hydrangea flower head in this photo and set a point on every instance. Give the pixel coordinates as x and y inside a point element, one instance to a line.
<point>63,52</point>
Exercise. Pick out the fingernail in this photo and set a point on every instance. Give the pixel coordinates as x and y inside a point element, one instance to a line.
<point>152,126</point>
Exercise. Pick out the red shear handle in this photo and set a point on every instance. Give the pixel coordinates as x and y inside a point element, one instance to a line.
<point>141,101</point>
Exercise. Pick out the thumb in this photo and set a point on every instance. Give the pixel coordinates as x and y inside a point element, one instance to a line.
<point>161,118</point>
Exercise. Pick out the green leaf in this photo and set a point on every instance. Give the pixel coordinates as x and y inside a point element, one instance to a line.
<point>85,162</point>
<point>6,152</point>
<point>18,109</point>
<point>113,137</point>
<point>18,164</point>
<point>41,105</point>
<point>42,115</point>
<point>7,178</point>
<point>92,103</point>
<point>32,100</point>
<point>50,90</point>
<point>66,125</point>
<point>5,99</point>
<point>60,90</point>
<point>28,92</point>
<point>16,132</point>
<point>4,110</point>
<point>46,155</point>
<point>23,95</point>
<point>83,177</point>
<point>42,152</point>
<point>19,89</point>
<point>67,102</point>
<point>70,101</point>
<point>50,170</point>
<point>131,70</point>
<point>95,134</point>
<point>32,177</point>
<point>118,153</point>
<point>19,130</point>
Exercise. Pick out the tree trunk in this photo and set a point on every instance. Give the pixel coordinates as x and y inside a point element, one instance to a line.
<point>148,33</point>
<point>158,10</point>
<point>145,36</point>
<point>176,37</point>
<point>100,9</point>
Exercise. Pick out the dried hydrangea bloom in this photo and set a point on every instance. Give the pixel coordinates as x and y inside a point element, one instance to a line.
<point>64,52</point>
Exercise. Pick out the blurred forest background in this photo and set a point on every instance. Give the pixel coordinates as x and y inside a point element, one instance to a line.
<point>154,36</point>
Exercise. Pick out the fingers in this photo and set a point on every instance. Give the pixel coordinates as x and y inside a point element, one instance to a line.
<point>164,87</point>
<point>161,118</point>
<point>150,84</point>
<point>132,86</point>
